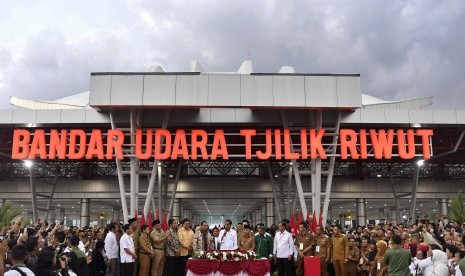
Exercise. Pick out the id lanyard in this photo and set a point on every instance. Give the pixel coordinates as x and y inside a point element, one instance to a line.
<point>280,245</point>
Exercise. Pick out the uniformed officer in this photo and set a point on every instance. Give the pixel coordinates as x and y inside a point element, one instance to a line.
<point>145,251</point>
<point>247,239</point>
<point>158,238</point>
<point>322,250</point>
<point>135,239</point>
<point>339,251</point>
<point>239,228</point>
<point>354,258</point>
<point>304,242</point>
<point>364,253</point>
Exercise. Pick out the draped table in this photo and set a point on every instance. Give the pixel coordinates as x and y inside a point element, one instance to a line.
<point>204,267</point>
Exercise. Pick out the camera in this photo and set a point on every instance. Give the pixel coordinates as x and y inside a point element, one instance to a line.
<point>63,258</point>
<point>89,253</point>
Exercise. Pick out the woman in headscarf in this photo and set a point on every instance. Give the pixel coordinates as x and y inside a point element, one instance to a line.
<point>379,268</point>
<point>439,260</point>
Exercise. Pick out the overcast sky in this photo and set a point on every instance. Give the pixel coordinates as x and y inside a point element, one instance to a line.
<point>402,49</point>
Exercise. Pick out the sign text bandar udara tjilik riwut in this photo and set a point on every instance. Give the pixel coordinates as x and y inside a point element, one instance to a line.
<point>194,144</point>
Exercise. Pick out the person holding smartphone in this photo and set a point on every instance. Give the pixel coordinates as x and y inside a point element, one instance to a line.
<point>78,261</point>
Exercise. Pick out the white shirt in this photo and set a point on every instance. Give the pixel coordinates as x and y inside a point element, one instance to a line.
<point>266,234</point>
<point>111,246</point>
<point>425,266</point>
<point>82,247</point>
<point>16,273</point>
<point>283,245</point>
<point>228,240</point>
<point>216,240</point>
<point>126,242</point>
<point>458,272</point>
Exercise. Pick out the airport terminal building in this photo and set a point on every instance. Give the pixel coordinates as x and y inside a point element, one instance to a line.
<point>211,146</point>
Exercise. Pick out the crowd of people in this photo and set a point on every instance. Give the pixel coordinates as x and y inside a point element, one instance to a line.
<point>424,248</point>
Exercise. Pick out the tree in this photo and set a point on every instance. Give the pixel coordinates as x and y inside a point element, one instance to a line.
<point>8,213</point>
<point>457,212</point>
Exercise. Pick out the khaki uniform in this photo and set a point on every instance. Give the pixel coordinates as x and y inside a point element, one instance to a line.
<point>239,231</point>
<point>351,266</point>
<point>302,242</point>
<point>246,242</point>
<point>158,260</point>
<point>365,251</point>
<point>364,267</point>
<point>135,239</point>
<point>321,251</point>
<point>339,252</point>
<point>145,250</point>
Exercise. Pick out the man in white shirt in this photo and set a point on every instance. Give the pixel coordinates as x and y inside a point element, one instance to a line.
<point>283,250</point>
<point>421,264</point>
<point>228,237</point>
<point>127,252</point>
<point>18,257</point>
<point>111,249</point>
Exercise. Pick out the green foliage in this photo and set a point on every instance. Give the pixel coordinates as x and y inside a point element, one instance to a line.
<point>434,216</point>
<point>457,212</point>
<point>8,213</point>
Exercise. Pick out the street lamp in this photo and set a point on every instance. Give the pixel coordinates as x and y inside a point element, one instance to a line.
<point>28,164</point>
<point>420,163</point>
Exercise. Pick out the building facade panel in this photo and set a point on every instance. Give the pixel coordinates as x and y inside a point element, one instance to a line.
<point>348,92</point>
<point>72,116</point>
<point>444,116</point>
<point>288,91</point>
<point>396,116</point>
<point>224,90</point>
<point>256,91</point>
<point>24,116</point>
<point>52,116</point>
<point>100,90</point>
<point>127,90</point>
<point>6,116</point>
<point>422,116</point>
<point>372,116</point>
<point>321,91</point>
<point>159,90</point>
<point>192,90</point>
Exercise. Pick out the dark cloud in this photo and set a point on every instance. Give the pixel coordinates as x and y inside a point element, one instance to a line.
<point>402,49</point>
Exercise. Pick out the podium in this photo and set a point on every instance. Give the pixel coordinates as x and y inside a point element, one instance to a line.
<point>312,266</point>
